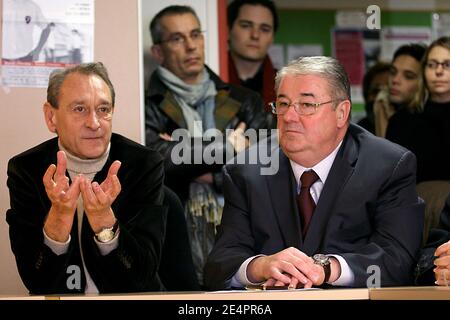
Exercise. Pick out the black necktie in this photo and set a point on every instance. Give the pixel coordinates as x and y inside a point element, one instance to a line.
<point>306,204</point>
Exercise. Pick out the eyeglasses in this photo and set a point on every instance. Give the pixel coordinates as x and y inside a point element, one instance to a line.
<point>179,39</point>
<point>434,64</point>
<point>302,108</point>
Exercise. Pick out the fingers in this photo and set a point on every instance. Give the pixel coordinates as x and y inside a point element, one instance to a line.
<point>93,195</point>
<point>295,271</point>
<point>74,189</point>
<point>294,283</point>
<point>442,276</point>
<point>114,168</point>
<point>241,127</point>
<point>443,249</point>
<point>269,282</point>
<point>443,261</point>
<point>86,191</point>
<point>48,177</point>
<point>96,199</point>
<point>300,266</point>
<point>115,188</point>
<point>280,277</point>
<point>111,185</point>
<point>165,136</point>
<point>61,165</point>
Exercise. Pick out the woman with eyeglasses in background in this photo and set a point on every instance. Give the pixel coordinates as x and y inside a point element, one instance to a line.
<point>434,164</point>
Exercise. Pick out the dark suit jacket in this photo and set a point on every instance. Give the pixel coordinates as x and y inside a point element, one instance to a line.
<point>368,213</point>
<point>138,208</point>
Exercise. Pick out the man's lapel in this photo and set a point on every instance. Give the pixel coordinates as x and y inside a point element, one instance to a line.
<point>282,194</point>
<point>340,172</point>
<point>171,108</point>
<point>226,109</point>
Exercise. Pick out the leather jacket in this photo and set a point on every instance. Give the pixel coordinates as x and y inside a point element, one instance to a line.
<point>163,115</point>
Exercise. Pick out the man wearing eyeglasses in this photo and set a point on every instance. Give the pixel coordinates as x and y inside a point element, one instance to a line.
<point>86,210</point>
<point>342,209</point>
<point>185,94</point>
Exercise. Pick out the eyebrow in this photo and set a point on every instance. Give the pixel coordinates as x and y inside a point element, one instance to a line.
<point>101,101</point>
<point>302,94</point>
<point>253,22</point>
<point>182,33</point>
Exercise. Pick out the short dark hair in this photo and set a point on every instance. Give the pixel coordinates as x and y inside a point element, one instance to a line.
<point>235,6</point>
<point>155,25</point>
<point>414,50</point>
<point>379,67</point>
<point>58,76</point>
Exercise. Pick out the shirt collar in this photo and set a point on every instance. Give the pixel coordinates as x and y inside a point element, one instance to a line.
<point>322,168</point>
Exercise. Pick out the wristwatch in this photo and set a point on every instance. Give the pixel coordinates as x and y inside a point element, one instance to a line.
<point>107,234</point>
<point>325,262</point>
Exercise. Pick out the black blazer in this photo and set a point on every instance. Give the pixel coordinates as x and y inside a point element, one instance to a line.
<point>138,208</point>
<point>368,213</point>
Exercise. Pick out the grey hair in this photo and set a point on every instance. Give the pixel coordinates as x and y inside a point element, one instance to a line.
<point>327,67</point>
<point>58,76</point>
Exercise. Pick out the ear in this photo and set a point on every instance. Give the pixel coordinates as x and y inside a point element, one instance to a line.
<point>343,113</point>
<point>157,53</point>
<point>50,117</point>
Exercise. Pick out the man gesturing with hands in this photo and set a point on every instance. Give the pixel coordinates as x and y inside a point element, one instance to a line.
<point>77,222</point>
<point>97,198</point>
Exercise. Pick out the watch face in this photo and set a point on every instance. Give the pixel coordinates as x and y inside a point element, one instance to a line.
<point>321,259</point>
<point>105,235</point>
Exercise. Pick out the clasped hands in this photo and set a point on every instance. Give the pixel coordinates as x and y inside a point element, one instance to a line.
<point>97,199</point>
<point>289,267</point>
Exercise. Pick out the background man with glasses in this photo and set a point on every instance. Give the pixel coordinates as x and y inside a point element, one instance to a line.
<point>183,93</point>
<point>342,200</point>
<point>86,206</point>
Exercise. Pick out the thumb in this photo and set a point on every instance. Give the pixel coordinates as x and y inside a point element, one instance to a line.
<point>114,168</point>
<point>241,126</point>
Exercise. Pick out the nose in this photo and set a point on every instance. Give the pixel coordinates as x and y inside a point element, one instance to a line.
<point>92,121</point>
<point>255,33</point>
<point>439,69</point>
<point>190,43</point>
<point>395,78</point>
<point>291,115</point>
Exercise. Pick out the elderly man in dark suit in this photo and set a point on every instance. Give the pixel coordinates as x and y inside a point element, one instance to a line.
<point>86,206</point>
<point>341,210</point>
